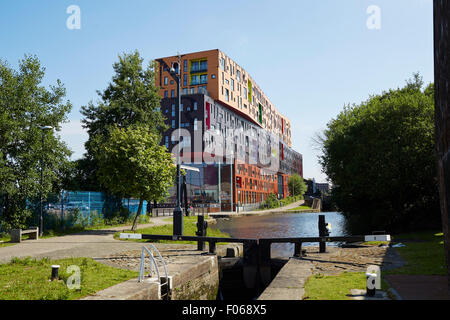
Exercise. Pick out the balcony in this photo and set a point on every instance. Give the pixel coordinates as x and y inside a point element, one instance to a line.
<point>197,69</point>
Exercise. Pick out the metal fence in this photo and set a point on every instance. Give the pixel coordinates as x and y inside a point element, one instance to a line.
<point>89,205</point>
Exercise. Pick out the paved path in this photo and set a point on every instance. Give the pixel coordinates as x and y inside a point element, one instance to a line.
<point>420,287</point>
<point>92,243</point>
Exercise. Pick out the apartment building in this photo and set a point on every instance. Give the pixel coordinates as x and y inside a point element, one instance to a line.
<point>238,140</point>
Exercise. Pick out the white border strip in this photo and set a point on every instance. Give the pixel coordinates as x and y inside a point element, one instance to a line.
<point>378,237</point>
<point>130,236</point>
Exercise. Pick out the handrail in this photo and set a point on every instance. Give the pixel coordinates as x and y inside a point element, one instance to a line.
<point>153,261</point>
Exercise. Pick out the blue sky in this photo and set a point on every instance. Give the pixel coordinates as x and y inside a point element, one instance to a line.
<point>309,57</point>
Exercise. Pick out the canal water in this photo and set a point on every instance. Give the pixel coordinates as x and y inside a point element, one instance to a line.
<point>282,225</point>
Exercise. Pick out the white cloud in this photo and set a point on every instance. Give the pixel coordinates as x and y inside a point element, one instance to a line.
<point>75,137</point>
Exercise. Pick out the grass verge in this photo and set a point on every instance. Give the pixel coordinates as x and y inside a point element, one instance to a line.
<point>423,253</point>
<point>28,279</point>
<point>301,208</point>
<point>320,287</point>
<point>336,287</point>
<point>189,229</point>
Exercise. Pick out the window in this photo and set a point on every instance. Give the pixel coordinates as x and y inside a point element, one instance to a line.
<point>195,105</point>
<point>199,66</point>
<point>222,64</point>
<point>227,95</point>
<point>203,79</point>
<point>185,65</point>
<point>173,110</point>
<point>172,93</point>
<point>204,65</point>
<point>173,124</point>
<point>166,94</point>
<point>238,75</point>
<point>185,79</point>
<point>181,107</point>
<point>195,79</point>
<point>232,84</point>
<point>167,141</point>
<point>166,81</point>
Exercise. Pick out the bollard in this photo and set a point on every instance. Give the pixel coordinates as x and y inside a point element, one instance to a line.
<point>55,269</point>
<point>323,232</point>
<point>370,284</point>
<point>202,227</point>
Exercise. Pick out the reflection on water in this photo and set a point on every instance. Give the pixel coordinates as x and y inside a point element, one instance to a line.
<point>279,226</point>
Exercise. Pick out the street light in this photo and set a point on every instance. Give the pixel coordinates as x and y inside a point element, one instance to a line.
<point>177,212</point>
<point>41,219</point>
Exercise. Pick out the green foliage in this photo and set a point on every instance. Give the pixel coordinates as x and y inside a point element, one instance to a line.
<point>380,157</point>
<point>25,105</point>
<point>130,99</point>
<point>296,185</point>
<point>272,201</point>
<point>132,163</point>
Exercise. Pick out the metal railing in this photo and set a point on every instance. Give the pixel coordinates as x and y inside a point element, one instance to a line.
<point>153,266</point>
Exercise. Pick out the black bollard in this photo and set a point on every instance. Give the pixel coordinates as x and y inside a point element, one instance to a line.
<point>370,284</point>
<point>55,269</point>
<point>202,227</point>
<point>323,232</point>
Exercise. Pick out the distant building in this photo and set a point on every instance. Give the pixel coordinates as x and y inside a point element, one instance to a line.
<point>323,187</point>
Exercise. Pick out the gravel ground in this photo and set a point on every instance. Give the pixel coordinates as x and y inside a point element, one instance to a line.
<point>337,260</point>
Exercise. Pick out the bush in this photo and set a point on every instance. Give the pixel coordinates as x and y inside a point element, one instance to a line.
<point>380,157</point>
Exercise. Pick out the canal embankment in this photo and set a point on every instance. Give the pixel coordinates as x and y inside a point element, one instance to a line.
<point>193,275</point>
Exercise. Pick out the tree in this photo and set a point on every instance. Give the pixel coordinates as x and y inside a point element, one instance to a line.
<point>130,99</point>
<point>296,185</point>
<point>25,105</point>
<point>380,157</point>
<point>132,163</point>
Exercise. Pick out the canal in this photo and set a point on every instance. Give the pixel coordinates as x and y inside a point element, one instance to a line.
<point>281,225</point>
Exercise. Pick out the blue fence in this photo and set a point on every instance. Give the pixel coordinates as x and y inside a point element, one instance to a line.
<point>88,204</point>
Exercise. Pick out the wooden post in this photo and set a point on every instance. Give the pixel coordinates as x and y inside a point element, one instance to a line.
<point>442,114</point>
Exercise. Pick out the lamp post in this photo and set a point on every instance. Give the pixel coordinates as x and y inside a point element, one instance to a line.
<point>177,212</point>
<point>41,219</point>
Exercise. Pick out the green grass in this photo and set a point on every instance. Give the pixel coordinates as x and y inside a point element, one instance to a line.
<point>28,279</point>
<point>336,287</point>
<point>189,229</point>
<point>301,208</point>
<point>423,253</point>
<point>320,287</point>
